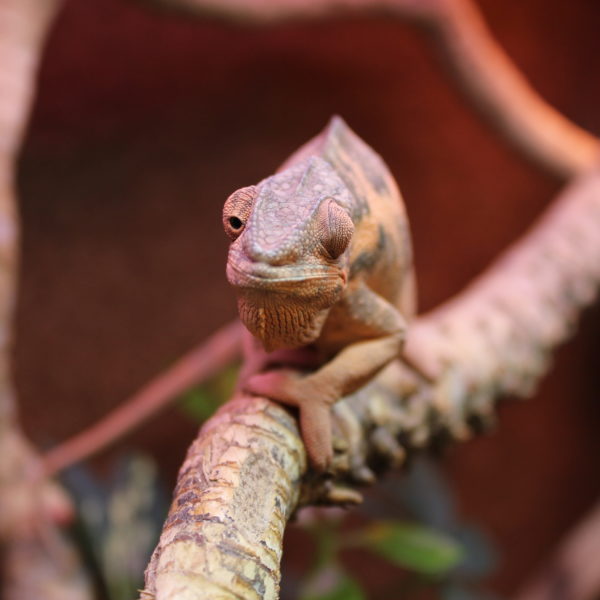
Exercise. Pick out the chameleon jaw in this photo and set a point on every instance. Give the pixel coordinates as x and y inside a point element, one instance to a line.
<point>279,320</point>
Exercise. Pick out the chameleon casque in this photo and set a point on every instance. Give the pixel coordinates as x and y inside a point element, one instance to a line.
<point>321,262</point>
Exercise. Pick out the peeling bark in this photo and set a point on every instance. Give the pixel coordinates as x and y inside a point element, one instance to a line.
<point>235,492</point>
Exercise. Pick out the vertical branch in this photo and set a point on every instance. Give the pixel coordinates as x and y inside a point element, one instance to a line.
<point>38,563</point>
<point>235,492</point>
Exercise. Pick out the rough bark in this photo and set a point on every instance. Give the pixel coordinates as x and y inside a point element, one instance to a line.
<point>37,561</point>
<point>245,473</point>
<point>235,492</point>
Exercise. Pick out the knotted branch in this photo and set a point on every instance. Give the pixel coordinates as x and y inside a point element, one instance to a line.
<point>246,472</point>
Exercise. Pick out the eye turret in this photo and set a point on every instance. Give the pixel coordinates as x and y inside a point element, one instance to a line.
<point>237,210</point>
<point>335,228</point>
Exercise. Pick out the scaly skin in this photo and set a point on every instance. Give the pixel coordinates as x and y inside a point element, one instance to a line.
<point>321,263</point>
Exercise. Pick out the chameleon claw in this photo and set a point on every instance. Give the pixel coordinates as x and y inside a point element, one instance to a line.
<point>362,475</point>
<point>342,496</point>
<point>288,387</point>
<point>388,447</point>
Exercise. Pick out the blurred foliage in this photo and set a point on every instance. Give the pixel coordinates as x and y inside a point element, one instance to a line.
<point>413,546</point>
<point>412,524</point>
<point>423,496</point>
<point>202,401</point>
<point>331,583</point>
<point>119,522</point>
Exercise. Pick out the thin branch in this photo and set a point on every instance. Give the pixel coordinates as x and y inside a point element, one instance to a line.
<point>573,571</point>
<point>491,81</point>
<point>244,473</point>
<point>221,349</point>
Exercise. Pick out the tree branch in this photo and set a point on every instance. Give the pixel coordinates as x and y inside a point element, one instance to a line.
<point>491,81</point>
<point>245,473</point>
<point>501,93</point>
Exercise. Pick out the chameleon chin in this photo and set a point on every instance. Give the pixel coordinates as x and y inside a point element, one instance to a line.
<point>282,321</point>
<point>320,256</point>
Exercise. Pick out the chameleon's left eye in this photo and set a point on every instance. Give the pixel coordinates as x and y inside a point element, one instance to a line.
<point>236,211</point>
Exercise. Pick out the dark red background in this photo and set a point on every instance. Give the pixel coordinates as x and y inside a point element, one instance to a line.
<point>145,122</point>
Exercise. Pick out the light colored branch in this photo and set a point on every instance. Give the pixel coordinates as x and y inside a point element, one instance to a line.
<point>484,71</point>
<point>573,571</point>
<point>37,561</point>
<point>243,474</point>
<point>235,492</point>
<point>221,349</point>
<point>498,89</point>
<point>495,337</point>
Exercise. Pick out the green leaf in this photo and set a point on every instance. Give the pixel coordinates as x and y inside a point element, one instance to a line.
<point>413,546</point>
<point>199,403</point>
<point>333,584</point>
<point>202,401</point>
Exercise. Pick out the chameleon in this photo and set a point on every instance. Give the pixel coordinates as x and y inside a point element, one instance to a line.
<point>321,263</point>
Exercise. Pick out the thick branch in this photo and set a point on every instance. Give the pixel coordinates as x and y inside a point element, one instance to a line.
<point>495,337</point>
<point>490,79</point>
<point>492,339</point>
<point>235,492</point>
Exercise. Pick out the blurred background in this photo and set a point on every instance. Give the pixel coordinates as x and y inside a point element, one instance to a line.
<point>144,123</point>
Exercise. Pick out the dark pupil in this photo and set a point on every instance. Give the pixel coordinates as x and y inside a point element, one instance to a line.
<point>235,222</point>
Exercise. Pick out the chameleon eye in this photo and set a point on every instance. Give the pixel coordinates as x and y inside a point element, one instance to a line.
<point>336,228</point>
<point>235,223</point>
<point>237,210</point>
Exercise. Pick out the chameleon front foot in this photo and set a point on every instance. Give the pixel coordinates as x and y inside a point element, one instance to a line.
<point>314,402</point>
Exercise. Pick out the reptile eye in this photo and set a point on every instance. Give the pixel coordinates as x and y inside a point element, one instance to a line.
<point>235,223</point>
<point>236,211</point>
<point>336,229</point>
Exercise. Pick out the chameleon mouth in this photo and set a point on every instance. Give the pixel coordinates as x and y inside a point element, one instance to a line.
<point>286,278</point>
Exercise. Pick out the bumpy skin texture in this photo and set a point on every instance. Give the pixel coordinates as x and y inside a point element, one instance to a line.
<point>321,262</point>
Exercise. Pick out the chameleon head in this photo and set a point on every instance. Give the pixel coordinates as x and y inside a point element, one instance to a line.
<point>288,259</point>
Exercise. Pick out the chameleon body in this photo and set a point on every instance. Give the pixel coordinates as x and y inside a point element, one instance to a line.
<point>321,262</point>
